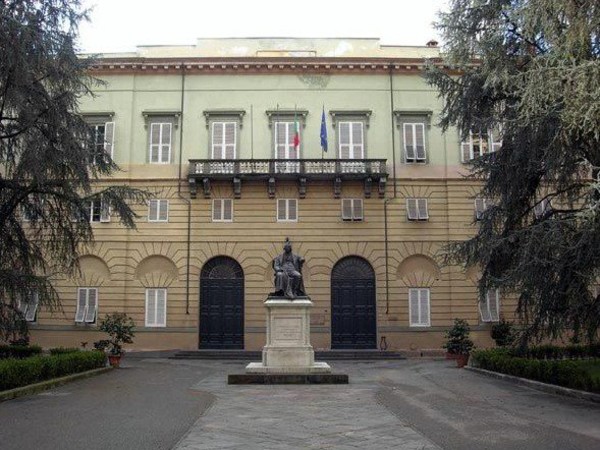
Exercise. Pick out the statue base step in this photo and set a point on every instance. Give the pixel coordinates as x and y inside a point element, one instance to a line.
<point>316,367</point>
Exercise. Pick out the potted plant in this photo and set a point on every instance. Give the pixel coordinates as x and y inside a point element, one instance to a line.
<point>119,327</point>
<point>503,333</point>
<point>458,344</point>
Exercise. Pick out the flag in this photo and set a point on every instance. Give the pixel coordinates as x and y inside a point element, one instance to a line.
<point>296,134</point>
<point>323,131</point>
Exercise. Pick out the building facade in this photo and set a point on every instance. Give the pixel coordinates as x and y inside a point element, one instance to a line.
<point>227,137</point>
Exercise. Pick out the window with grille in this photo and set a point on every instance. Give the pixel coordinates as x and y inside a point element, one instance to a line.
<point>480,207</point>
<point>222,210</point>
<point>351,140</point>
<point>28,305</point>
<point>158,211</point>
<point>223,140</point>
<point>160,142</point>
<point>414,143</point>
<point>489,309</point>
<point>287,210</point>
<point>352,209</point>
<point>419,308</point>
<point>156,307</point>
<point>87,305</point>
<point>416,209</point>
<point>102,136</point>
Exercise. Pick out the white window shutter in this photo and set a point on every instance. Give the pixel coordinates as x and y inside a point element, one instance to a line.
<point>409,146</point>
<point>494,305</point>
<point>357,204</point>
<point>154,142</point>
<point>81,304</point>
<point>217,209</point>
<point>227,209</point>
<point>292,209</point>
<point>32,306</point>
<point>153,210</point>
<point>161,307</point>
<point>422,207</point>
<point>281,209</point>
<point>479,208</point>
<point>165,154</point>
<point>357,140</point>
<point>420,142</point>
<point>484,309</point>
<point>347,209</point>
<point>163,210</point>
<point>344,140</point>
<point>109,138</point>
<point>411,208</point>
<point>413,299</point>
<point>230,139</point>
<point>424,307</point>
<point>104,212</point>
<point>92,304</point>
<point>217,140</point>
<point>150,307</point>
<point>282,140</point>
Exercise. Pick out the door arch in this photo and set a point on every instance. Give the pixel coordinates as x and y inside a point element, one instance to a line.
<point>353,305</point>
<point>221,304</point>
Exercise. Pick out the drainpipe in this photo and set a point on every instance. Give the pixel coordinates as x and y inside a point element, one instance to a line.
<point>186,200</point>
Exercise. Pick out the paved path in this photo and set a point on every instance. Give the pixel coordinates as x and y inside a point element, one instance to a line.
<point>414,404</point>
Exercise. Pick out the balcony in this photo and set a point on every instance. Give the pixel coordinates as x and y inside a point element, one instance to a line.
<point>203,171</point>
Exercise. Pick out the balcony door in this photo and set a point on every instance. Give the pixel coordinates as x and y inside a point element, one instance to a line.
<point>285,149</point>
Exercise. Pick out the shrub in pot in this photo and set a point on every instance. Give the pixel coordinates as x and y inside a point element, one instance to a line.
<point>119,327</point>
<point>458,344</point>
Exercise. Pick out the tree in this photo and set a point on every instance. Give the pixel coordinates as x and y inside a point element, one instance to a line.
<point>48,159</point>
<point>531,68</point>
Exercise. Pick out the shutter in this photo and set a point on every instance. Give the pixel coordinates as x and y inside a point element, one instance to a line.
<point>344,140</point>
<point>411,208</point>
<point>479,208</point>
<point>292,209</point>
<point>150,307</point>
<point>494,306</point>
<point>217,140</point>
<point>109,138</point>
<point>217,210</point>
<point>153,210</point>
<point>357,140</point>
<point>346,209</point>
<point>104,211</point>
<point>161,307</point>
<point>81,304</point>
<point>484,309</point>
<point>409,146</point>
<point>32,306</point>
<point>281,140</point>
<point>281,213</point>
<point>424,306</point>
<point>422,206</point>
<point>413,299</point>
<point>420,141</point>
<point>154,142</point>
<point>227,209</point>
<point>165,154</point>
<point>163,210</point>
<point>358,209</point>
<point>230,140</point>
<point>92,304</point>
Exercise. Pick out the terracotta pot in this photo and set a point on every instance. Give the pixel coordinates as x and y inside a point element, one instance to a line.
<point>451,355</point>
<point>461,360</point>
<point>114,360</point>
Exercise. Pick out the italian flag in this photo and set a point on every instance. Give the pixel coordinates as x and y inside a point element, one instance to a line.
<point>296,134</point>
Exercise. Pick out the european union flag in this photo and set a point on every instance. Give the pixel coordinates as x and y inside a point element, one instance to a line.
<point>323,131</point>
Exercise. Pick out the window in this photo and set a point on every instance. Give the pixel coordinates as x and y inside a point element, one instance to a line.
<point>158,211</point>
<point>478,144</point>
<point>287,210</point>
<point>490,308</point>
<point>28,305</point>
<point>416,209</point>
<point>87,305</point>
<point>419,307</point>
<point>480,207</point>
<point>156,307</point>
<point>223,140</point>
<point>286,148</point>
<point>351,140</point>
<point>542,208</point>
<point>352,209</point>
<point>102,135</point>
<point>99,211</point>
<point>222,210</point>
<point>414,142</point>
<point>160,142</point>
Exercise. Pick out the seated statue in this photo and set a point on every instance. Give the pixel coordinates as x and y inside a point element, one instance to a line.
<point>288,273</point>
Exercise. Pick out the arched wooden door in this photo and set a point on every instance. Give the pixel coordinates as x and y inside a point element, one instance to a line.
<point>353,305</point>
<point>222,304</point>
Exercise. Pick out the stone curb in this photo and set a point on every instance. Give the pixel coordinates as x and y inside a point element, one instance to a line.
<point>49,384</point>
<point>538,385</point>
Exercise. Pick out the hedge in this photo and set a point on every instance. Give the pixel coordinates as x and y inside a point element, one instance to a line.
<point>567,373</point>
<point>63,350</point>
<point>556,352</point>
<point>19,351</point>
<point>21,372</point>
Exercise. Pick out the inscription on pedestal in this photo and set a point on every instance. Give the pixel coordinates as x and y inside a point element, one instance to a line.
<point>287,329</point>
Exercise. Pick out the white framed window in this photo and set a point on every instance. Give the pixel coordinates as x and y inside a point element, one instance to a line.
<point>480,207</point>
<point>475,146</point>
<point>416,209</point>
<point>419,308</point>
<point>414,143</point>
<point>287,210</point>
<point>158,210</point>
<point>87,305</point>
<point>99,211</point>
<point>28,305</point>
<point>222,210</point>
<point>541,208</point>
<point>103,135</point>
<point>156,307</point>
<point>489,310</point>
<point>495,135</point>
<point>351,140</point>
<point>160,142</point>
<point>352,209</point>
<point>285,149</point>
<point>223,140</point>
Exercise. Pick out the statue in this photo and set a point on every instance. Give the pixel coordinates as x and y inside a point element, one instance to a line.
<point>288,273</point>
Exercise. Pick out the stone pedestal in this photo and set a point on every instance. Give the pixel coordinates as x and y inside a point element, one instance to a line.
<point>288,349</point>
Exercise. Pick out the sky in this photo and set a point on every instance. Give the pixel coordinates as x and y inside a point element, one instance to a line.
<point>121,25</point>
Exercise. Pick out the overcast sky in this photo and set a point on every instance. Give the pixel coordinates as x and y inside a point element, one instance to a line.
<point>121,25</point>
